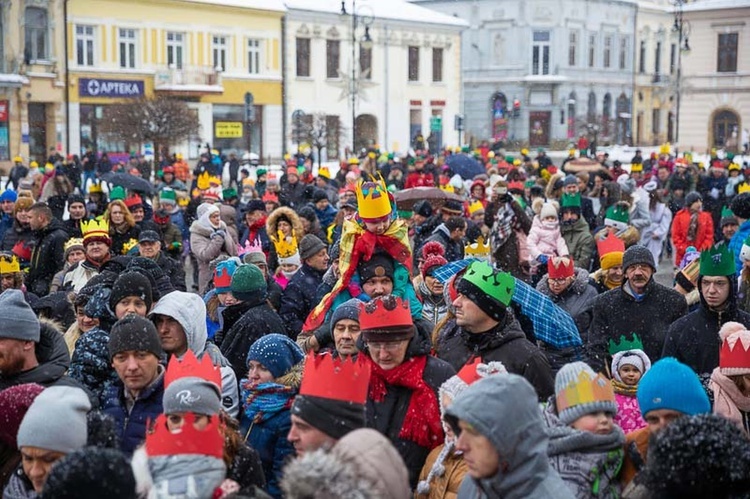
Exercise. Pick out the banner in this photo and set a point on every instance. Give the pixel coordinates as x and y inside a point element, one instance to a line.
<point>228,129</point>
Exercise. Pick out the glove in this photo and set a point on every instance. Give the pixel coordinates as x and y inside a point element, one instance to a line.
<point>714,193</point>
<point>220,233</point>
<point>542,259</point>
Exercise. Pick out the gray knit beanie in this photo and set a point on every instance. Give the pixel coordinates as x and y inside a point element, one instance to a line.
<point>573,385</point>
<point>18,320</point>
<point>192,394</point>
<point>310,246</point>
<point>56,420</point>
<point>347,310</point>
<point>637,254</point>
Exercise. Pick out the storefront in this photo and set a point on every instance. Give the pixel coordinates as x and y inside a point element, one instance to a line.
<point>232,134</point>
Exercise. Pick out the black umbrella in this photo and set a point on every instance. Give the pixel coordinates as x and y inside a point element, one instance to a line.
<point>129,182</point>
<point>466,166</point>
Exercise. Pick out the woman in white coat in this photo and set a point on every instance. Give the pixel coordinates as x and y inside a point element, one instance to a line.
<point>654,235</point>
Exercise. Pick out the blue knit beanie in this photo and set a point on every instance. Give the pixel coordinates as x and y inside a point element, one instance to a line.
<point>277,353</point>
<point>670,384</point>
<point>8,195</point>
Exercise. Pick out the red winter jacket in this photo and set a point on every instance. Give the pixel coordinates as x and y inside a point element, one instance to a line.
<point>704,237</point>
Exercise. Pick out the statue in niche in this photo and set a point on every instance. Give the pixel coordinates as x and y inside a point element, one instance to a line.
<point>498,49</point>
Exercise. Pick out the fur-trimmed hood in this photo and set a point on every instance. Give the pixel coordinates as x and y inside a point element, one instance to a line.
<point>549,191</point>
<point>273,221</point>
<point>293,378</point>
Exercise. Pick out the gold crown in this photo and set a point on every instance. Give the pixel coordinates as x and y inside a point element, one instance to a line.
<point>205,181</point>
<point>9,264</point>
<point>285,246</point>
<point>129,245</point>
<point>95,227</point>
<point>372,199</point>
<point>73,241</point>
<point>475,207</point>
<point>95,188</point>
<point>743,187</point>
<point>477,249</point>
<point>585,390</point>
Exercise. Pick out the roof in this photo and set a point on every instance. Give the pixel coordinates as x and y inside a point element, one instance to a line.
<point>272,5</point>
<point>701,5</point>
<point>398,10</point>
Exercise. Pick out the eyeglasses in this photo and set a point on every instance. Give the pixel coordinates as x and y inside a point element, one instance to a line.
<point>390,346</point>
<point>557,282</point>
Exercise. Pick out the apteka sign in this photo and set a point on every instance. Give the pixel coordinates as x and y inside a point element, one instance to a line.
<point>96,87</point>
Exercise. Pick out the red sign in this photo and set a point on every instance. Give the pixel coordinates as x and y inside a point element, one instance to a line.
<point>438,103</point>
<point>3,111</point>
<point>415,102</point>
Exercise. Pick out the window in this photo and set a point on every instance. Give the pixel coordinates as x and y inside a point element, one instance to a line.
<point>413,63</point>
<point>175,49</point>
<point>624,52</point>
<point>727,57</point>
<point>592,51</point>
<point>655,119</point>
<point>219,52</point>
<point>572,48</point>
<point>333,131</point>
<point>672,58</point>
<point>607,51</point>
<point>36,32</point>
<point>540,53</point>
<point>127,47</point>
<point>332,58</point>
<point>657,58</point>
<point>303,57</point>
<point>437,64</point>
<point>642,58</point>
<point>84,45</point>
<point>253,56</point>
<point>365,62</point>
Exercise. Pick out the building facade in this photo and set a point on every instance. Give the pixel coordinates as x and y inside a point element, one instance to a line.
<point>380,77</point>
<point>209,53</point>
<point>542,73</point>
<point>715,84</point>
<point>32,48</point>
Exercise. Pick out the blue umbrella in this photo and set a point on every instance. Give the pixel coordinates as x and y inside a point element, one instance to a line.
<point>466,166</point>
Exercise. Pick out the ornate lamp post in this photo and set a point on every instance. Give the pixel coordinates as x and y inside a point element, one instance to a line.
<point>365,19</point>
<point>681,27</point>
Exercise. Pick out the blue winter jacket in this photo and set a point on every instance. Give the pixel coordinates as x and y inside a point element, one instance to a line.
<point>269,439</point>
<point>90,364</point>
<point>735,244</point>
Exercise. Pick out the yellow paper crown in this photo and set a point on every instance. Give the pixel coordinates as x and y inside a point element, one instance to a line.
<point>372,199</point>
<point>743,187</point>
<point>129,245</point>
<point>585,390</point>
<point>94,187</point>
<point>285,246</point>
<point>636,167</point>
<point>73,241</point>
<point>447,188</point>
<point>9,264</point>
<point>475,207</point>
<point>206,181</point>
<point>664,148</point>
<point>95,227</point>
<point>477,249</point>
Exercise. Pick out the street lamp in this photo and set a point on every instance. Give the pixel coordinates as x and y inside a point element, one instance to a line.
<point>366,42</point>
<point>593,130</point>
<point>682,28</point>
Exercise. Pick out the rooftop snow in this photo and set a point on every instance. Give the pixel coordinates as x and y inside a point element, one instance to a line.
<point>399,10</point>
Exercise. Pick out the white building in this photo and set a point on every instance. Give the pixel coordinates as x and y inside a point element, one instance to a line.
<point>567,65</point>
<point>398,84</point>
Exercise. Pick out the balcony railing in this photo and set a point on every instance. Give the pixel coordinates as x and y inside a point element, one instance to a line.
<point>189,79</point>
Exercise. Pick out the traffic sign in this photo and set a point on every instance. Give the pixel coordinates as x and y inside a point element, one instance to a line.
<point>249,107</point>
<point>436,123</point>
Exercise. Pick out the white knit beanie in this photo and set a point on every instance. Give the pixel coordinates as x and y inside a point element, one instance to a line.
<point>634,357</point>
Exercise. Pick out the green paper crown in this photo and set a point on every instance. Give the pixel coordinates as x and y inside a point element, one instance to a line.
<point>229,193</point>
<point>260,172</point>
<point>509,159</point>
<point>168,194</point>
<point>405,214</point>
<point>117,193</point>
<point>498,285</point>
<point>571,201</point>
<point>625,344</point>
<point>726,212</point>
<point>717,261</point>
<point>617,214</point>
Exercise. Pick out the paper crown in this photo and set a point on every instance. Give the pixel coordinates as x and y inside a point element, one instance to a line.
<point>133,200</point>
<point>373,200</point>
<point>129,245</point>
<point>168,194</point>
<point>190,367</point>
<point>72,242</point>
<point>610,244</point>
<point>743,187</point>
<point>117,192</point>
<point>95,228</point>
<point>385,312</point>
<point>475,207</point>
<point>636,167</point>
<point>664,148</point>
<point>617,215</point>
<point>726,212</point>
<point>570,200</point>
<point>585,390</point>
<point>479,249</point>
<point>332,378</point>
<point>213,193</point>
<point>560,267</point>
<point>285,246</point>
<point>717,261</point>
<point>324,172</point>
<point>736,356</point>
<point>625,344</point>
<point>95,187</point>
<point>187,441</point>
<point>270,197</point>
<point>734,167</point>
<point>255,247</point>
<point>205,181</point>
<point>496,284</point>
<point>475,370</point>
<point>9,264</point>
<point>223,275</point>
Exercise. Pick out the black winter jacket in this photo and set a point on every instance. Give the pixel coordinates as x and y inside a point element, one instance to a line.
<point>453,250</point>
<point>173,269</point>
<point>72,227</point>
<point>47,259</point>
<point>299,299</point>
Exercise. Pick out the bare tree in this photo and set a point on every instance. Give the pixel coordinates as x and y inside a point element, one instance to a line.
<point>320,131</point>
<point>164,121</point>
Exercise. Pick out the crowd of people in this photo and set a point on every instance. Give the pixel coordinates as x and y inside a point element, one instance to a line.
<point>300,333</point>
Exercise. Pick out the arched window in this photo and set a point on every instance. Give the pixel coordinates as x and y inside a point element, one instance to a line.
<point>725,123</point>
<point>36,34</point>
<point>591,113</point>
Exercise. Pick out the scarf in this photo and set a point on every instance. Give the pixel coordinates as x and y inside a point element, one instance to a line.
<point>121,228</point>
<point>503,227</point>
<point>422,420</point>
<point>254,227</point>
<point>692,231</point>
<point>623,389</point>
<point>265,400</point>
<point>729,402</point>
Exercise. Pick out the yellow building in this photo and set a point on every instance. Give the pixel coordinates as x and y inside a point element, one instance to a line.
<point>209,53</point>
<point>32,88</point>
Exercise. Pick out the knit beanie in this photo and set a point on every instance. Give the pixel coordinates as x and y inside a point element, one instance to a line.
<point>192,394</point>
<point>248,283</point>
<point>580,391</point>
<point>423,208</point>
<point>255,257</point>
<point>17,317</point>
<point>637,254</point>
<point>692,198</point>
<point>276,352</point>
<point>131,284</point>
<point>91,473</point>
<point>310,246</point>
<point>734,358</point>
<point>14,403</point>
<point>635,357</point>
<point>8,195</point>
<point>347,310</point>
<point>740,205</point>
<point>670,384</point>
<point>56,420</point>
<point>134,333</point>
<point>335,418</point>
<point>548,210</point>
<point>379,265</point>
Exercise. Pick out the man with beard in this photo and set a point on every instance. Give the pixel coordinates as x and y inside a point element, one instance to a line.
<point>639,307</point>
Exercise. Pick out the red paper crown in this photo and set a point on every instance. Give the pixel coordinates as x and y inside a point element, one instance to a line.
<point>134,200</point>
<point>191,367</point>
<point>270,197</point>
<point>610,244</point>
<point>222,277</point>
<point>335,379</point>
<point>560,267</point>
<point>188,440</point>
<point>468,373</point>
<point>385,312</point>
<point>737,356</point>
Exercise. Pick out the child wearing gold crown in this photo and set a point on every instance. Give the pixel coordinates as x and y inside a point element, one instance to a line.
<point>375,227</point>
<point>585,446</point>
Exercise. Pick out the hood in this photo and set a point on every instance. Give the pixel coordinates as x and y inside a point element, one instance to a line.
<point>189,310</point>
<point>504,409</point>
<point>578,286</point>
<point>731,308</point>
<point>273,220</point>
<point>549,191</point>
<point>362,465</point>
<point>164,477</point>
<point>52,226</point>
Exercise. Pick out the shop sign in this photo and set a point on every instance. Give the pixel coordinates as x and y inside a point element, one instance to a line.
<point>96,87</point>
<point>228,129</point>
